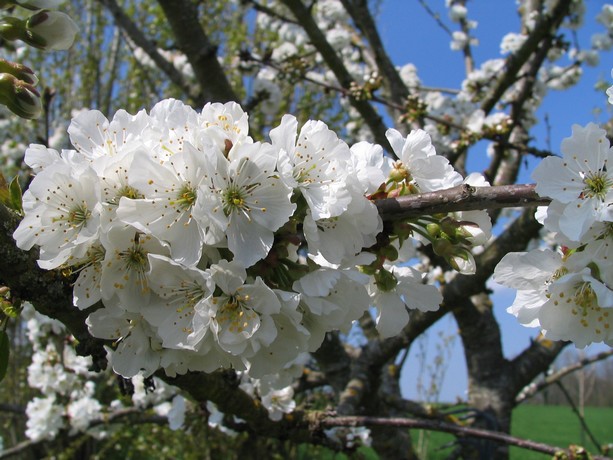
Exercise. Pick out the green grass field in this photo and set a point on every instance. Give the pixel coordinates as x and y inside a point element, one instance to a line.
<point>554,425</point>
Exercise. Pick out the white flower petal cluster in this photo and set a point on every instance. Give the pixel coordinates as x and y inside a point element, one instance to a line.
<point>69,399</point>
<point>195,238</point>
<point>580,183</point>
<point>61,376</point>
<point>45,418</point>
<point>569,292</point>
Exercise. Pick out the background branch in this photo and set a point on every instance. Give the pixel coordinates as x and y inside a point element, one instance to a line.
<point>532,389</point>
<point>434,425</point>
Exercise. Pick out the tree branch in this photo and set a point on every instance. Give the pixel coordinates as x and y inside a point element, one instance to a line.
<point>460,198</point>
<point>139,39</point>
<point>317,38</point>
<point>534,388</point>
<point>358,10</point>
<point>192,40</point>
<point>105,420</point>
<point>544,27</point>
<point>433,425</point>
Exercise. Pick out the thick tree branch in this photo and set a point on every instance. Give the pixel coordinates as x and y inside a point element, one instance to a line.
<point>533,361</point>
<point>192,40</point>
<point>48,291</point>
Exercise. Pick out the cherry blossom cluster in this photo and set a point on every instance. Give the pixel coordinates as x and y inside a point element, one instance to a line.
<point>62,377</point>
<point>69,398</point>
<point>568,290</point>
<point>209,250</point>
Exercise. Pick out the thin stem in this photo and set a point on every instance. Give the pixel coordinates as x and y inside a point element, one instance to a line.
<point>433,425</point>
<point>581,418</point>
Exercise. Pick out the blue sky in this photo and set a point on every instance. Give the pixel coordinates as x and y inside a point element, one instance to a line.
<point>411,35</point>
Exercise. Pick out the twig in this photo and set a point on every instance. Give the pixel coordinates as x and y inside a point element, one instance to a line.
<point>434,425</point>
<point>106,419</point>
<point>13,408</point>
<point>268,11</point>
<point>436,17</point>
<point>535,388</point>
<point>581,418</point>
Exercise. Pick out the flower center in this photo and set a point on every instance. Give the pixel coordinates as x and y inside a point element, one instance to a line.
<point>597,184</point>
<point>78,215</point>
<point>236,314</point>
<point>135,262</point>
<point>186,197</point>
<point>585,297</point>
<point>233,200</point>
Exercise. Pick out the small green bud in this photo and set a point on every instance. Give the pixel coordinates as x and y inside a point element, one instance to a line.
<point>20,97</point>
<point>449,226</point>
<point>385,280</point>
<point>12,28</point>
<point>389,252</point>
<point>442,247</point>
<point>403,230</point>
<point>19,71</point>
<point>399,172</point>
<point>434,230</point>
<point>367,269</point>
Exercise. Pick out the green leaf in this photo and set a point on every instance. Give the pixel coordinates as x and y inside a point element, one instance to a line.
<point>4,354</point>
<point>4,191</point>
<point>15,195</point>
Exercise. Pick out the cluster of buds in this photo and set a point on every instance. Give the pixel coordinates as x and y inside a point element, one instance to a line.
<point>415,109</point>
<point>365,91</point>
<point>294,69</point>
<point>17,90</point>
<point>44,29</point>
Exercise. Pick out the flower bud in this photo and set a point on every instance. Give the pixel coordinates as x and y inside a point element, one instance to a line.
<point>449,226</point>
<point>367,269</point>
<point>12,28</point>
<point>399,172</point>
<point>433,229</point>
<point>389,252</point>
<point>19,71</point>
<point>442,247</point>
<point>385,280</point>
<point>462,261</point>
<point>50,30</point>
<point>20,97</point>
